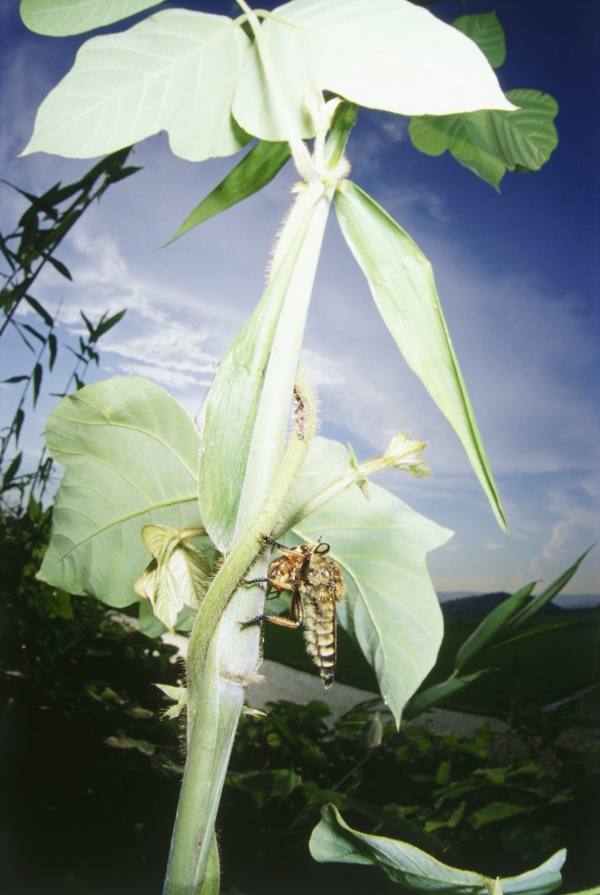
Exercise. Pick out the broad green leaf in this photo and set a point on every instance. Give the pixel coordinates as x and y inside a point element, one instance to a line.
<point>59,18</point>
<point>391,608</point>
<point>333,840</point>
<point>401,281</point>
<point>394,820</point>
<point>491,142</point>
<point>249,401</point>
<point>174,71</point>
<point>491,625</point>
<point>488,34</point>
<point>495,811</point>
<point>437,693</point>
<point>251,174</point>
<point>384,54</point>
<point>130,454</point>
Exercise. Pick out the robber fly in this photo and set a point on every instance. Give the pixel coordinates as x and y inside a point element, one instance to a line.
<point>316,584</point>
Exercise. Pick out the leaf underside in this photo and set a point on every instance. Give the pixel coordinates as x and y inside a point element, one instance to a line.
<point>130,454</point>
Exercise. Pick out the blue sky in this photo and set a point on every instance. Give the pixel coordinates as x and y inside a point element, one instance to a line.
<point>518,275</point>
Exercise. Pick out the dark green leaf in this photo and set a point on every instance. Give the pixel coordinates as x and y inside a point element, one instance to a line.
<point>486,31</point>
<point>489,142</point>
<point>104,325</point>
<point>257,168</point>
<point>432,696</point>
<point>547,595</point>
<point>60,267</point>
<point>491,625</point>
<point>89,325</point>
<point>37,381</point>
<point>35,333</point>
<point>493,812</point>
<point>34,303</point>
<point>52,349</point>
<point>18,421</point>
<point>12,470</point>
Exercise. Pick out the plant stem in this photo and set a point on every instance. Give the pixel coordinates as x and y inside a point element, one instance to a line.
<point>215,698</point>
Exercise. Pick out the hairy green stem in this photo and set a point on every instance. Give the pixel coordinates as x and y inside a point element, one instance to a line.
<point>221,657</point>
<point>245,551</point>
<point>215,702</point>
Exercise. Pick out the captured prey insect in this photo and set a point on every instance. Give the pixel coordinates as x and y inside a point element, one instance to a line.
<point>316,584</point>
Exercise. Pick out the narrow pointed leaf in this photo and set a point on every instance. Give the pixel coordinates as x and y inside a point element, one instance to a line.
<point>107,324</point>
<point>174,71</point>
<point>492,142</point>
<point>436,694</point>
<point>19,419</point>
<point>251,174</point>
<point>13,468</point>
<point>34,333</point>
<point>334,840</point>
<point>59,18</point>
<point>491,625</point>
<point>34,303</point>
<point>255,377</point>
<point>391,608</point>
<point>384,54</point>
<point>130,454</point>
<point>546,596</point>
<point>52,350</point>
<point>60,267</point>
<point>401,281</point>
<point>38,373</point>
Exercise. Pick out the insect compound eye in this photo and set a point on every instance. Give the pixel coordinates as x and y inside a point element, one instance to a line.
<point>321,549</point>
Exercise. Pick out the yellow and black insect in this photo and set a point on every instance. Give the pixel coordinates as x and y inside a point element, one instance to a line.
<point>316,584</point>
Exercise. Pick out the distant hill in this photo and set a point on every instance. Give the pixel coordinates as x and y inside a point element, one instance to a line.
<point>481,605</point>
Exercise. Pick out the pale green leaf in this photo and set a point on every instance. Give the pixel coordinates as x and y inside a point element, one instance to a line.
<point>391,608</point>
<point>130,454</point>
<point>174,71</point>
<point>179,695</point>
<point>488,34</point>
<point>251,174</point>
<point>384,54</point>
<point>491,142</point>
<point>333,840</point>
<point>538,881</point>
<point>59,18</point>
<point>249,402</point>
<point>178,575</point>
<point>401,281</point>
